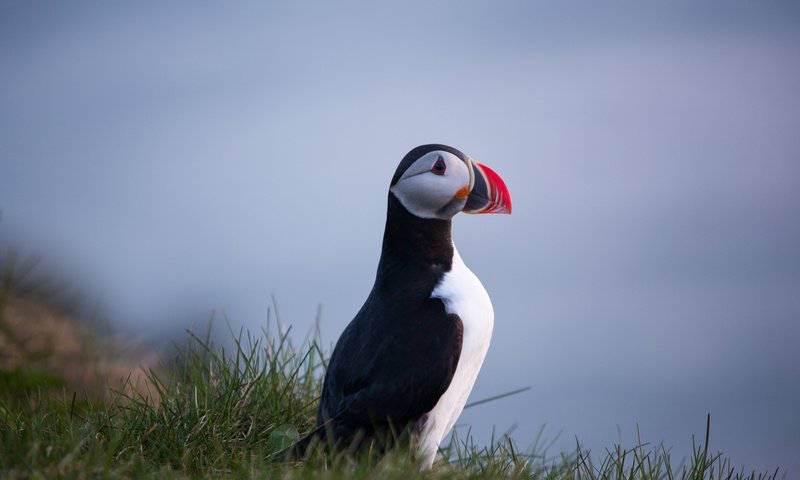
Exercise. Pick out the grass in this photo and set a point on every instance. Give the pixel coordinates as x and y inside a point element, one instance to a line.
<point>226,413</point>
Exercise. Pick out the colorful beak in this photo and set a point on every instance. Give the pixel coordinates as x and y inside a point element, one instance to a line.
<point>489,193</point>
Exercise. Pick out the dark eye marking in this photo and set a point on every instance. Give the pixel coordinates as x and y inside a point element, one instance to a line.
<point>439,167</point>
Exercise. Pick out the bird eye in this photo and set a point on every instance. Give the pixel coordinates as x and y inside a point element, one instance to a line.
<point>439,167</point>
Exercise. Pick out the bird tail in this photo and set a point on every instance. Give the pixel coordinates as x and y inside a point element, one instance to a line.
<point>301,448</point>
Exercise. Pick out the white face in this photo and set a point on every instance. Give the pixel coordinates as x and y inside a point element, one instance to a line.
<point>435,186</point>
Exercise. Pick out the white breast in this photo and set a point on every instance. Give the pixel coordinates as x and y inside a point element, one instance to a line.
<point>463,295</point>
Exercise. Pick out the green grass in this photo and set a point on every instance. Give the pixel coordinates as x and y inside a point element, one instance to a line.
<point>225,414</point>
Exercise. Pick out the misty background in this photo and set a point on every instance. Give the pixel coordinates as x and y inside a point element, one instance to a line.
<point>175,158</point>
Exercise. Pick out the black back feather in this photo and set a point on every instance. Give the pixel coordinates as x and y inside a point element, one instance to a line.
<point>398,355</point>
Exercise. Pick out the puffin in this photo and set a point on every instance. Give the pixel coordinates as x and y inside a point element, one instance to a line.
<point>410,357</point>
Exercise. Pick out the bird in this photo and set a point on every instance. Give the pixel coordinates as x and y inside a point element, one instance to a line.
<point>409,358</point>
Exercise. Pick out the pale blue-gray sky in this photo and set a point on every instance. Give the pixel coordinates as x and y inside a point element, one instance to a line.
<point>176,158</point>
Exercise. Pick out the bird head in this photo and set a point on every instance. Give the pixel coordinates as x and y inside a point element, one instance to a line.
<point>437,181</point>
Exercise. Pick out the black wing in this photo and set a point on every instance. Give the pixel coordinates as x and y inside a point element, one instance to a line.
<point>389,370</point>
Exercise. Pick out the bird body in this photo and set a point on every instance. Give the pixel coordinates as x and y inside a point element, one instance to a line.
<point>409,358</point>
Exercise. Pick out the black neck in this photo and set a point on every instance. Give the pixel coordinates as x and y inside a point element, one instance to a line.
<point>417,252</point>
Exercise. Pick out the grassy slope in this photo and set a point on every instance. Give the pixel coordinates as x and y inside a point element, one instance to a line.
<point>212,413</point>
<point>226,414</point>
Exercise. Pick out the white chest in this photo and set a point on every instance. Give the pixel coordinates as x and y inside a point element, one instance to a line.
<point>464,295</point>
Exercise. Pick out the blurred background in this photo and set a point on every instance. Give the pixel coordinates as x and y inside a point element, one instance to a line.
<point>171,159</point>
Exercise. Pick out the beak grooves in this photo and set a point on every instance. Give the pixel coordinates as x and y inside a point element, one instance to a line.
<point>489,192</point>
